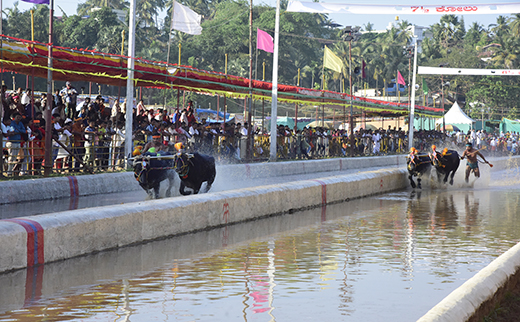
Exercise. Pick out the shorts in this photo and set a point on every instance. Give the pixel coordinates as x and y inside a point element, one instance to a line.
<point>472,165</point>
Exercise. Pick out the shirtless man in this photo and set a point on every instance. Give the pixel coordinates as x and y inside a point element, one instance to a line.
<point>472,163</point>
<point>155,145</point>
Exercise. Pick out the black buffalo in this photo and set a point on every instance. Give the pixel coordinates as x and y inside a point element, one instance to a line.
<point>150,171</point>
<point>418,165</point>
<point>445,163</point>
<point>194,169</point>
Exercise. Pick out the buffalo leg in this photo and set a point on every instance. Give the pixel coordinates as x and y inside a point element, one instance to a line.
<point>210,182</point>
<point>197,189</point>
<point>156,191</point>
<point>412,183</point>
<point>183,191</point>
<point>171,180</point>
<point>419,183</point>
<point>446,177</point>
<point>451,177</point>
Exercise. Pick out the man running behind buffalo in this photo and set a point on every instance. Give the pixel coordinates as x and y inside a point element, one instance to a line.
<point>472,164</point>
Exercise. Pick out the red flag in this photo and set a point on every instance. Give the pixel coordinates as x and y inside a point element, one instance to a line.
<point>363,75</point>
<point>400,79</point>
<point>264,41</point>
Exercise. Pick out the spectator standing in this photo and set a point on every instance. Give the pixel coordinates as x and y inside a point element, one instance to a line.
<point>90,142</point>
<point>38,145</point>
<point>57,99</point>
<point>140,107</point>
<point>14,138</point>
<point>4,106</point>
<point>26,103</point>
<point>70,96</point>
<point>78,141</point>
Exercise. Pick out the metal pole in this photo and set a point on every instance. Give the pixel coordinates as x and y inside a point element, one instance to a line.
<point>47,168</point>
<point>351,118</point>
<point>130,82</point>
<point>1,83</point>
<point>443,111</point>
<point>250,109</point>
<point>274,101</point>
<point>169,45</point>
<point>296,106</point>
<point>412,106</point>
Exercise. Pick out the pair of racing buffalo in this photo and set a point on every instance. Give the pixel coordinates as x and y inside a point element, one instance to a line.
<point>446,164</point>
<point>192,168</point>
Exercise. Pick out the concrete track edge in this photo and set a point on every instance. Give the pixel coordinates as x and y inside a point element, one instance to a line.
<point>84,185</point>
<point>52,237</point>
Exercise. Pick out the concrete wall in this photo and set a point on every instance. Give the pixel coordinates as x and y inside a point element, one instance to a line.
<point>72,186</point>
<point>52,237</point>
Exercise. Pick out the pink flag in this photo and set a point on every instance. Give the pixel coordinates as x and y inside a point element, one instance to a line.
<point>400,79</point>
<point>264,41</point>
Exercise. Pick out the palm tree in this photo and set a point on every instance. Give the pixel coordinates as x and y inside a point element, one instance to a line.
<point>515,25</point>
<point>86,7</point>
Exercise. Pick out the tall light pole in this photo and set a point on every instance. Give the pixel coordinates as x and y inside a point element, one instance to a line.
<point>412,103</point>
<point>249,141</point>
<point>350,34</point>
<point>274,94</point>
<point>442,98</point>
<point>47,169</point>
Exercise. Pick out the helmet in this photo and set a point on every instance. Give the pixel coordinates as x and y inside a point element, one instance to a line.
<point>413,150</point>
<point>434,147</point>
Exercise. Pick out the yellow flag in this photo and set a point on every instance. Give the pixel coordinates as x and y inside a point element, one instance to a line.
<point>331,61</point>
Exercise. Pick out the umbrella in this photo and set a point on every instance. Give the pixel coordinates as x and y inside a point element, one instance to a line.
<point>451,128</point>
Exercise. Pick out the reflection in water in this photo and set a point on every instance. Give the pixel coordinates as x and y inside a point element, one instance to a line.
<point>385,258</point>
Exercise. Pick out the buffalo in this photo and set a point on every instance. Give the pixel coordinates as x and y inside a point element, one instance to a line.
<point>446,163</point>
<point>150,170</point>
<point>193,170</point>
<point>418,165</point>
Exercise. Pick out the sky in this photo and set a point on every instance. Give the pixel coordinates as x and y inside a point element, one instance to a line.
<point>380,21</point>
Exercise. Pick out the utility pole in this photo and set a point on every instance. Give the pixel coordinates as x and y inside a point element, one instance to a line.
<point>349,34</point>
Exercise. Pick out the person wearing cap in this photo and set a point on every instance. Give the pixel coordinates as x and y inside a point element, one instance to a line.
<point>156,144</point>
<point>70,96</point>
<point>472,164</point>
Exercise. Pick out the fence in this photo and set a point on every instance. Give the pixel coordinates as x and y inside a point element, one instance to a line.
<point>26,158</point>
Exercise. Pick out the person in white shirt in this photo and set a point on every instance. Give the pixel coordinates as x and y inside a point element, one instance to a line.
<point>26,97</point>
<point>376,138</point>
<point>243,130</point>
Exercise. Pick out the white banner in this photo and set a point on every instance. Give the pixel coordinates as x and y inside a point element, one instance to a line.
<point>467,71</point>
<point>463,9</point>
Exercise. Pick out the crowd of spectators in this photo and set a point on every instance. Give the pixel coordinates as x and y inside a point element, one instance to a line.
<point>91,134</point>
